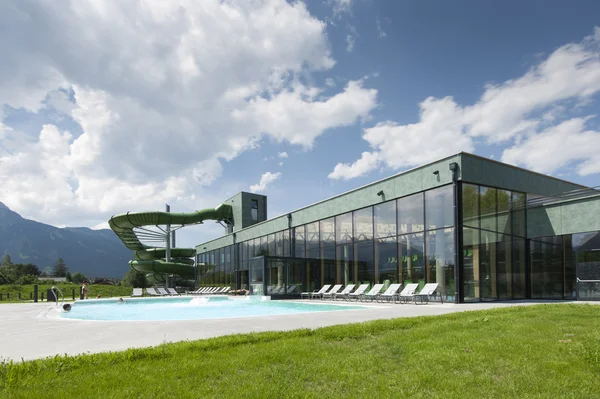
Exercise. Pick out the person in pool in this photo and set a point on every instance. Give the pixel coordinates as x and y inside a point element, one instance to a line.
<point>121,300</point>
<point>67,307</point>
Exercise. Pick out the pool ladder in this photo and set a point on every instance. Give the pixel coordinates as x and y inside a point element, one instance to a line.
<point>54,289</point>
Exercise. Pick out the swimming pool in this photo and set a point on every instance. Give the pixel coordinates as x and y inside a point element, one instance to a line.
<point>188,308</point>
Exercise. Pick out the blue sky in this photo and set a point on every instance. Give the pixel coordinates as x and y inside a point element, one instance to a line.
<point>156,104</point>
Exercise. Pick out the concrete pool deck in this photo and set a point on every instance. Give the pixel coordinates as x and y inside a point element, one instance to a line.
<point>27,333</point>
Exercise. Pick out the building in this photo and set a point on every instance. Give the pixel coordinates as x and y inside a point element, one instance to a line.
<point>481,229</point>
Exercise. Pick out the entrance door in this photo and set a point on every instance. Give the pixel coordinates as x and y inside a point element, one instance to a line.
<point>587,256</point>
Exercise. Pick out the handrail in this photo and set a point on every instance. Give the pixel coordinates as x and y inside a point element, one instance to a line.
<point>56,296</point>
<point>587,281</point>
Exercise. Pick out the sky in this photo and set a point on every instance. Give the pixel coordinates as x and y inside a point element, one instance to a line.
<point>109,106</point>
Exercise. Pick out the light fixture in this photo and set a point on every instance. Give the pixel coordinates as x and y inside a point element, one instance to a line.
<point>380,193</point>
<point>436,172</point>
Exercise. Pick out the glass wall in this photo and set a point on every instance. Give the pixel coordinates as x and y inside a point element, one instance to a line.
<point>410,239</point>
<point>493,237</point>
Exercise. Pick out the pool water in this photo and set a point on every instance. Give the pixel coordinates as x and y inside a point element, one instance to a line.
<point>186,308</point>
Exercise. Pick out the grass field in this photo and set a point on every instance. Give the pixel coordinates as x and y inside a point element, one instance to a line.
<point>542,351</point>
<point>66,288</point>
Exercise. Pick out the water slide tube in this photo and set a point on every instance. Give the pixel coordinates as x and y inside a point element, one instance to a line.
<point>152,260</point>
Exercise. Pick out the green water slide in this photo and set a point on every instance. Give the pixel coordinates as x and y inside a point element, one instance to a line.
<point>132,226</point>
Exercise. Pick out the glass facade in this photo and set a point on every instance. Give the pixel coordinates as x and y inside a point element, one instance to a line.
<point>493,243</point>
<point>413,239</point>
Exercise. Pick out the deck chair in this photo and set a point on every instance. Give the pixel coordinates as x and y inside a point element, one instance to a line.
<point>162,291</point>
<point>372,294</point>
<point>309,294</point>
<point>425,294</point>
<point>344,292</point>
<point>329,294</point>
<point>356,294</point>
<point>389,294</point>
<point>172,291</point>
<point>152,291</point>
<point>407,293</point>
<point>137,292</point>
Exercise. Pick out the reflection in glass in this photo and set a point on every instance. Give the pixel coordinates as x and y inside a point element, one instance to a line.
<point>286,243</point>
<point>385,219</point>
<point>364,263</point>
<point>279,243</point>
<point>411,214</point>
<point>504,267</point>
<point>299,241</point>
<point>487,265</point>
<point>312,240</point>
<point>271,244</point>
<point>328,265</point>
<point>386,258</point>
<point>344,268</point>
<point>439,207</point>
<point>546,267</point>
<point>471,264</point>
<point>411,249</point>
<point>343,228</point>
<point>488,204</point>
<point>517,205</point>
<point>440,260</point>
<point>363,224</point>
<point>327,232</point>
<point>518,268</point>
<point>470,205</point>
<point>504,197</point>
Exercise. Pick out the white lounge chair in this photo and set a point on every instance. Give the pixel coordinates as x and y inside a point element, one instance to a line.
<point>172,291</point>
<point>152,292</point>
<point>407,293</point>
<point>372,294</point>
<point>356,294</point>
<point>344,292</point>
<point>332,291</point>
<point>309,294</point>
<point>137,292</point>
<point>388,295</point>
<point>426,293</point>
<point>162,291</point>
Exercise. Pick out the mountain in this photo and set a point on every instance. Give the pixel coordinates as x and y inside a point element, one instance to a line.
<point>95,253</point>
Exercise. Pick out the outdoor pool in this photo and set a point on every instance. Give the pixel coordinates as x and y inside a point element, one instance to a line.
<point>188,308</point>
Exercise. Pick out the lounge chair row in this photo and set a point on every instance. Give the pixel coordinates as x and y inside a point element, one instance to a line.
<point>161,291</point>
<point>392,293</point>
<point>210,291</point>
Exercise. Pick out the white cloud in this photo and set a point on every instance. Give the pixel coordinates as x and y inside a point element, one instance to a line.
<point>351,38</point>
<point>266,179</point>
<point>380,32</point>
<point>160,93</point>
<point>365,164</point>
<point>330,82</point>
<point>341,7</point>
<point>557,146</point>
<point>527,112</point>
<point>282,154</point>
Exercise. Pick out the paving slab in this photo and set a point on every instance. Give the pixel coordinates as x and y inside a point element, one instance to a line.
<point>32,330</point>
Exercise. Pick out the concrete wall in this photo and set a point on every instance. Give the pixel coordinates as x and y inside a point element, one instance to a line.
<point>570,217</point>
<point>241,204</point>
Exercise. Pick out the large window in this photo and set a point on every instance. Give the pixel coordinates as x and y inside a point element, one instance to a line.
<point>363,224</point>
<point>254,210</point>
<point>411,249</point>
<point>411,214</point>
<point>439,207</point>
<point>300,241</point>
<point>365,265</point>
<point>385,219</point>
<point>386,258</point>
<point>312,240</point>
<point>343,228</point>
<point>440,260</point>
<point>493,263</point>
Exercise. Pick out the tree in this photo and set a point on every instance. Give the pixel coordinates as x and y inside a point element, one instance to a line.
<point>7,262</point>
<point>133,278</point>
<point>60,269</point>
<point>78,278</point>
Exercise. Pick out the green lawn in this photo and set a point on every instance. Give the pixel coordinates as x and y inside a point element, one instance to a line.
<point>543,351</point>
<point>67,289</point>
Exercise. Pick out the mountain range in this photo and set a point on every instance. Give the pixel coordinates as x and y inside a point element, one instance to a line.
<point>95,253</point>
